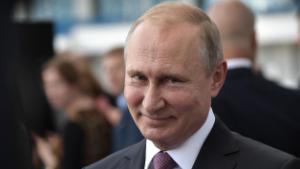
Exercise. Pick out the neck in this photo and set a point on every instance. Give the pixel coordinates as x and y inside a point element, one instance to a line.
<point>238,55</point>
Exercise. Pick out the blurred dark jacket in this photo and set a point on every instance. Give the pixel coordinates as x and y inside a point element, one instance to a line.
<point>86,139</point>
<point>260,109</point>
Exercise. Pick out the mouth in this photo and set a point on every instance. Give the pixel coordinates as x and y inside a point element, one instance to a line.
<point>156,118</point>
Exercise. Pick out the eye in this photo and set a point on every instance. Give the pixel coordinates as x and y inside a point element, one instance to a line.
<point>173,80</point>
<point>138,77</point>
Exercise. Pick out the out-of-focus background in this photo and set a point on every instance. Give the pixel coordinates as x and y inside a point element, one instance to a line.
<point>92,27</point>
<point>51,98</point>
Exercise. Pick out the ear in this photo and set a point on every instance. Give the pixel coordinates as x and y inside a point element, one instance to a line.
<point>218,78</point>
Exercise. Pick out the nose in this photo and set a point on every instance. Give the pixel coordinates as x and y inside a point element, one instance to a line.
<point>153,100</point>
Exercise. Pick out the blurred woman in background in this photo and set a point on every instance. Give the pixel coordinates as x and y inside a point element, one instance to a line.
<point>72,90</point>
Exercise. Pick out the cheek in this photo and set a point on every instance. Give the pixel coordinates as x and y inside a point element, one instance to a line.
<point>180,100</point>
<point>119,78</point>
<point>63,91</point>
<point>53,93</point>
<point>48,91</point>
<point>191,102</point>
<point>189,108</point>
<point>133,96</point>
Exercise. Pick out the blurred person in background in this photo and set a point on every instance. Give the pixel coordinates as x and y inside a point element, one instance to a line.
<point>248,103</point>
<point>124,131</point>
<point>80,61</point>
<point>112,63</point>
<point>85,133</point>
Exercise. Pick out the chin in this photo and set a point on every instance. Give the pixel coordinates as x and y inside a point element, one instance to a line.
<point>164,145</point>
<point>162,141</point>
<point>152,134</point>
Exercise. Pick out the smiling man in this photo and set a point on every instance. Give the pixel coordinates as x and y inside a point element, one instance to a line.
<point>174,66</point>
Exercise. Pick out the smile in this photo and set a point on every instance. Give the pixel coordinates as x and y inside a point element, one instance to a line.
<point>156,118</point>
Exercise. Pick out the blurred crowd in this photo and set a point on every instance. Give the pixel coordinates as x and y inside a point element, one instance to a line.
<point>90,123</point>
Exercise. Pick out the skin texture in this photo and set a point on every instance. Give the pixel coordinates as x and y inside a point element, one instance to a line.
<point>166,86</point>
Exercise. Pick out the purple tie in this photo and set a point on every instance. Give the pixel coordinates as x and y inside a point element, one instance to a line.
<point>162,160</point>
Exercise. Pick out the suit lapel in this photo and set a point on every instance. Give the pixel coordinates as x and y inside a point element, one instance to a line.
<point>220,149</point>
<point>136,156</point>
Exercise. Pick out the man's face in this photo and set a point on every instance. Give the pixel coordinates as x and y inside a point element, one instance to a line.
<point>166,86</point>
<point>114,70</point>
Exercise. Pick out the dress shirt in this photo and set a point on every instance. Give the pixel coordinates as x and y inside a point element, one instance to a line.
<point>185,155</point>
<point>238,63</point>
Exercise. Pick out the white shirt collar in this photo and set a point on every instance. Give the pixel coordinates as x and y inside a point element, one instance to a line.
<point>238,63</point>
<point>186,154</point>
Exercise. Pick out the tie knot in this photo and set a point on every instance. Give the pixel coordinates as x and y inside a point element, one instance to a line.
<point>162,160</point>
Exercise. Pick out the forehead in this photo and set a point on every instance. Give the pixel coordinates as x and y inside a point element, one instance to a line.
<point>51,75</point>
<point>153,41</point>
<point>50,71</point>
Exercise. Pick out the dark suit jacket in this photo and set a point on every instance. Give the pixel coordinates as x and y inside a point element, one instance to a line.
<point>258,108</point>
<point>221,150</point>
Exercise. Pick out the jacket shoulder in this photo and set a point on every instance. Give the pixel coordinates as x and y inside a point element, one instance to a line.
<point>119,159</point>
<point>264,155</point>
<point>110,162</point>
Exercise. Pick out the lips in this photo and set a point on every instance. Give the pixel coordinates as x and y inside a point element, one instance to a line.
<point>156,117</point>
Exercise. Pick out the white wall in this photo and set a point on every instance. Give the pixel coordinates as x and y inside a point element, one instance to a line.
<point>278,54</point>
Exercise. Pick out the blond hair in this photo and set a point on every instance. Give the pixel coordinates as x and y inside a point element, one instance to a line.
<point>172,13</point>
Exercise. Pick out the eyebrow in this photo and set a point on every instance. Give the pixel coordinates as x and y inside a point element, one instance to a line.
<point>161,76</point>
<point>172,75</point>
<point>132,72</point>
